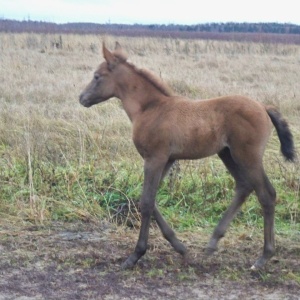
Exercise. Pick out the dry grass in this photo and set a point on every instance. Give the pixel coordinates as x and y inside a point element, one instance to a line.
<point>43,127</point>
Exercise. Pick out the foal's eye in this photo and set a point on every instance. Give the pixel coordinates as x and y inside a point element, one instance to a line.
<point>96,76</point>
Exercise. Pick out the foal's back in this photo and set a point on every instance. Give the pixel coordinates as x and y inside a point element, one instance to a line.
<point>191,129</point>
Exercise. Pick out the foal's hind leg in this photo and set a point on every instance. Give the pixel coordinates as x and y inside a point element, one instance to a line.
<point>251,178</point>
<point>243,189</point>
<point>240,196</point>
<point>169,233</point>
<point>266,195</point>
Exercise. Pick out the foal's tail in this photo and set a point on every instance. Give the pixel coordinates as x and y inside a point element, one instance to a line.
<point>284,134</point>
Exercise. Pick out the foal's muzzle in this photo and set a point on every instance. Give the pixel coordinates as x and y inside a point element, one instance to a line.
<point>84,101</point>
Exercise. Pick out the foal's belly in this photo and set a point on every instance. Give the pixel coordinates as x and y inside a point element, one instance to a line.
<point>195,147</point>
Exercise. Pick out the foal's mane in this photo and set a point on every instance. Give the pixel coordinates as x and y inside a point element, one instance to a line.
<point>156,81</point>
<point>146,74</point>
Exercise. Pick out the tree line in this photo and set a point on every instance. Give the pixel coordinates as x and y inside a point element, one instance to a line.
<point>269,32</point>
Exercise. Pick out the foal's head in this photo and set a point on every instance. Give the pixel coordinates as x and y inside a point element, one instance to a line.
<point>102,86</point>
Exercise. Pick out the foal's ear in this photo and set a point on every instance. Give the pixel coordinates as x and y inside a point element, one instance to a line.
<point>108,56</point>
<point>114,58</point>
<point>120,53</point>
<point>118,47</point>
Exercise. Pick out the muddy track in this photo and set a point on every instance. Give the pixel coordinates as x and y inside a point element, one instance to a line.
<point>82,261</point>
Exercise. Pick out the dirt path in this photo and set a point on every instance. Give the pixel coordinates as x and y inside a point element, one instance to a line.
<point>81,261</point>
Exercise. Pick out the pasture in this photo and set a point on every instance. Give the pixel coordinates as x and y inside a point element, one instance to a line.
<point>71,177</point>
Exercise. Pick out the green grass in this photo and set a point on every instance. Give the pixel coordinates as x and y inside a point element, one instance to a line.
<point>196,195</point>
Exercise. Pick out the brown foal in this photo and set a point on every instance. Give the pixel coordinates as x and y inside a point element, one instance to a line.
<point>167,127</point>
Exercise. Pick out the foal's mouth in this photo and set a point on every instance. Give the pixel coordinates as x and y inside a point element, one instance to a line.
<point>88,100</point>
<point>85,101</point>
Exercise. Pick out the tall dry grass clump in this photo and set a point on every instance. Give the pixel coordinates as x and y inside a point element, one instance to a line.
<point>60,160</point>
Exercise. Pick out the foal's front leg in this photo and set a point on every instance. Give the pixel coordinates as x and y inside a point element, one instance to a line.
<point>153,170</point>
<point>166,230</point>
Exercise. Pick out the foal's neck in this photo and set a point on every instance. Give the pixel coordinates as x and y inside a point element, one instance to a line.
<point>138,96</point>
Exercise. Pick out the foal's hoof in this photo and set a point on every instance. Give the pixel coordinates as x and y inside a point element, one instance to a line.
<point>127,265</point>
<point>186,259</point>
<point>254,268</point>
<point>259,264</point>
<point>210,251</point>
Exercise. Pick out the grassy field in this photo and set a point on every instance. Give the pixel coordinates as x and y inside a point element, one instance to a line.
<point>61,161</point>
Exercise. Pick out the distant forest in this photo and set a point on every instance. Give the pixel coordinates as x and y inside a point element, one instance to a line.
<point>259,32</point>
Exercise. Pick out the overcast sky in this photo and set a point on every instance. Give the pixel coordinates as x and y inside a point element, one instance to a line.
<point>152,11</point>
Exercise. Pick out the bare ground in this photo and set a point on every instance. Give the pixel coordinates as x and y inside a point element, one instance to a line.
<point>82,261</point>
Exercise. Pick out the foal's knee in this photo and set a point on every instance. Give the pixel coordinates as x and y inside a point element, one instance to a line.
<point>146,209</point>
